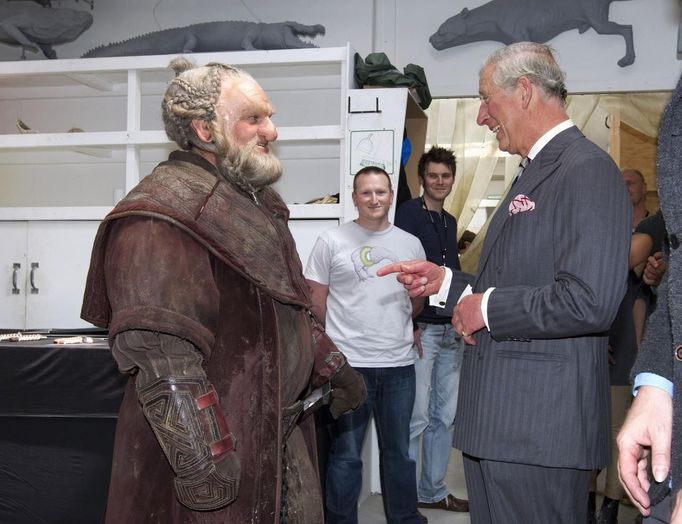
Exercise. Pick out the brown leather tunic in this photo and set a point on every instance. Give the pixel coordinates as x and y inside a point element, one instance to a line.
<point>187,254</point>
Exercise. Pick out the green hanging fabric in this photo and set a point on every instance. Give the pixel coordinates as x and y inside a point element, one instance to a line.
<point>377,70</point>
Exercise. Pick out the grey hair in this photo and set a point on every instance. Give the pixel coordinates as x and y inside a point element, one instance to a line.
<point>532,60</point>
<point>193,95</point>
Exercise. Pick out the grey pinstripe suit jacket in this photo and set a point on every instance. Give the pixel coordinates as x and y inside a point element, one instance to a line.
<point>535,389</point>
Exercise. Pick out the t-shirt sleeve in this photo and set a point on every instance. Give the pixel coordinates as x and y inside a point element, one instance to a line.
<point>319,262</point>
<point>419,251</point>
<point>654,226</point>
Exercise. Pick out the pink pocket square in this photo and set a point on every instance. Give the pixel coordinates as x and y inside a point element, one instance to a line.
<point>519,204</point>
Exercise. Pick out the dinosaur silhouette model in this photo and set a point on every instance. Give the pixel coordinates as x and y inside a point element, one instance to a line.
<point>228,35</point>
<point>34,28</point>
<point>510,21</point>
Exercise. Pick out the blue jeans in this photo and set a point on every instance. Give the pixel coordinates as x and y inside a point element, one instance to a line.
<point>435,405</point>
<point>390,397</point>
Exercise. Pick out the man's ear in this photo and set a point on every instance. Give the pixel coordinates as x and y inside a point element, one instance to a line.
<point>202,130</point>
<point>526,90</point>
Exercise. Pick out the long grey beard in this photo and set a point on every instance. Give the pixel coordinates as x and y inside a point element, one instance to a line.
<point>247,169</point>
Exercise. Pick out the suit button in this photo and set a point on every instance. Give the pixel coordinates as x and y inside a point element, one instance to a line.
<point>678,352</point>
<point>674,241</point>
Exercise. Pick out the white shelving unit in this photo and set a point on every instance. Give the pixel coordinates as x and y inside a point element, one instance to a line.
<point>54,175</point>
<point>56,180</point>
<point>57,175</point>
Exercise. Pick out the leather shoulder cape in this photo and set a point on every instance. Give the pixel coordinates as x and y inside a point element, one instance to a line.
<point>188,192</point>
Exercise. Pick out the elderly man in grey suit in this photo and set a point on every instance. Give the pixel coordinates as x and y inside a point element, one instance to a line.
<point>652,428</point>
<point>533,419</point>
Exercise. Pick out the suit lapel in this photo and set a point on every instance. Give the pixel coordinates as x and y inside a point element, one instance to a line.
<point>541,168</point>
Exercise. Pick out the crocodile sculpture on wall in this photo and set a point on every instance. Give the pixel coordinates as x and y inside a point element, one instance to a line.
<point>228,35</point>
<point>34,28</point>
<point>510,21</point>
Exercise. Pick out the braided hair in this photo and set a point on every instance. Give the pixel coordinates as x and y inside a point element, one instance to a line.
<point>193,95</point>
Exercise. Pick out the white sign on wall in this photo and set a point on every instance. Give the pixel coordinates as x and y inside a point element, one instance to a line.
<point>372,148</point>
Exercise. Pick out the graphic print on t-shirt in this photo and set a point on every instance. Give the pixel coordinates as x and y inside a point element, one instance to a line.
<point>366,259</point>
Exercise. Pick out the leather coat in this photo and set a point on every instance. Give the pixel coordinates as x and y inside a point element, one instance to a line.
<point>188,254</point>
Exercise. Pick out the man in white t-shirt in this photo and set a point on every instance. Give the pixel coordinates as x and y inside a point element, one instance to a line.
<point>370,320</point>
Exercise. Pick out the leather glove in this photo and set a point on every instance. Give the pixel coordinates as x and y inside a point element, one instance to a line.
<point>348,391</point>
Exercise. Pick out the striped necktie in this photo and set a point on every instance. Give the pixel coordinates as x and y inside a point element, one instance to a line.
<point>525,162</point>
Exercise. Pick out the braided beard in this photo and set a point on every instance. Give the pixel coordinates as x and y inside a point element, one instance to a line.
<point>246,168</point>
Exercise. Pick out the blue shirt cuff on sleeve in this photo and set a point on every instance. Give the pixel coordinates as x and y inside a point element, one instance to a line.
<point>652,379</point>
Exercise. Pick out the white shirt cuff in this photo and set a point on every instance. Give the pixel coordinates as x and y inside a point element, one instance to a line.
<point>484,306</point>
<point>440,298</point>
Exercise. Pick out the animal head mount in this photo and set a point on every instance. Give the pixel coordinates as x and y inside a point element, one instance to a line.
<point>452,32</point>
<point>510,21</point>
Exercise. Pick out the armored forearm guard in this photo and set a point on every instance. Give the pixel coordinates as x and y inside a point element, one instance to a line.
<point>189,425</point>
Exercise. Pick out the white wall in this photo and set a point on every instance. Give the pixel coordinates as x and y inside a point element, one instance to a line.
<point>589,60</point>
<point>401,28</point>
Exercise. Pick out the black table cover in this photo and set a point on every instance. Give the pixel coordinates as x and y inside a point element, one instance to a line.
<point>58,408</point>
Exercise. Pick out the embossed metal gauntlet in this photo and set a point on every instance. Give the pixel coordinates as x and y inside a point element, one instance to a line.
<point>189,425</point>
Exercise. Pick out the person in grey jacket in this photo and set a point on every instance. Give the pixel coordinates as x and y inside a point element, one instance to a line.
<point>651,431</point>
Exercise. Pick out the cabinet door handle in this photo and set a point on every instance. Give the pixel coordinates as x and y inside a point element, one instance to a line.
<point>15,273</point>
<point>34,289</point>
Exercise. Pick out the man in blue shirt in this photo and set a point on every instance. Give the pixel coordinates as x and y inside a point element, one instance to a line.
<point>439,349</point>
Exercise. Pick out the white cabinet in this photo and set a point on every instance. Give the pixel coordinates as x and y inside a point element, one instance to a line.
<point>43,267</point>
<point>12,274</point>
